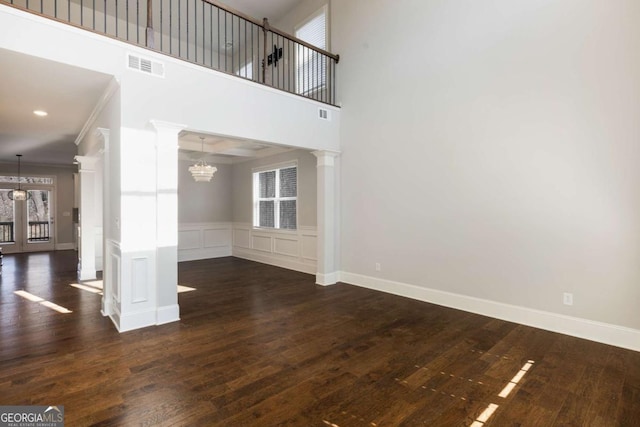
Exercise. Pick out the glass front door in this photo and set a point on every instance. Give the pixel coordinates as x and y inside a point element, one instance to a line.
<point>26,225</point>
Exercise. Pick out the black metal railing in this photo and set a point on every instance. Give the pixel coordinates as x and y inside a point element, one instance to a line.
<point>38,231</point>
<point>6,232</point>
<point>207,33</point>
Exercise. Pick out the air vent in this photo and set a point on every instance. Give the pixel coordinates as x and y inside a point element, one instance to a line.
<point>145,65</point>
<point>323,114</point>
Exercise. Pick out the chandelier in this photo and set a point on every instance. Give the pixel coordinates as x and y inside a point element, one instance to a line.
<point>18,194</point>
<point>201,171</point>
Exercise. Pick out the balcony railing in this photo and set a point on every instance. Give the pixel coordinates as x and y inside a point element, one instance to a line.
<point>6,232</point>
<point>207,33</point>
<point>38,231</point>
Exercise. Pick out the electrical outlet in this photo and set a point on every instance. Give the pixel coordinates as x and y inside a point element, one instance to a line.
<point>378,268</point>
<point>567,298</point>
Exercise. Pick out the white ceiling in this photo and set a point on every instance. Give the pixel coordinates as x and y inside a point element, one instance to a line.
<point>69,94</point>
<point>221,149</point>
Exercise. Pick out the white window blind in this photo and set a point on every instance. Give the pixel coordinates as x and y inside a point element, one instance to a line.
<point>275,198</point>
<point>311,66</point>
<point>314,30</point>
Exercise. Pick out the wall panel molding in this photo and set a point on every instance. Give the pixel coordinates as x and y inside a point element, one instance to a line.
<point>294,250</point>
<point>204,240</point>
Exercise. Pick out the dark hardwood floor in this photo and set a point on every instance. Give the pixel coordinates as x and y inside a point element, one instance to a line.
<point>262,346</point>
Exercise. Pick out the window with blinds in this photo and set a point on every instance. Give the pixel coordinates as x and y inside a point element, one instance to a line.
<point>311,66</point>
<point>275,198</point>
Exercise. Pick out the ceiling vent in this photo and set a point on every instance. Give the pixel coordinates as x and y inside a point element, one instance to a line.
<point>323,114</point>
<point>145,65</point>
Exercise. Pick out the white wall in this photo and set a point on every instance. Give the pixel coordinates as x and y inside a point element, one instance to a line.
<point>490,150</point>
<point>204,201</point>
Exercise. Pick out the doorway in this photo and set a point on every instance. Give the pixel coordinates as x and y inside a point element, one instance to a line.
<point>27,225</point>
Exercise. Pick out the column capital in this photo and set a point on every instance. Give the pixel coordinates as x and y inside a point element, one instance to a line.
<point>87,163</point>
<point>325,157</point>
<point>102,134</point>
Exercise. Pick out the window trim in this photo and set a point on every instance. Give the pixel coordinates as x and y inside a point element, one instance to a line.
<point>255,172</point>
<point>23,180</point>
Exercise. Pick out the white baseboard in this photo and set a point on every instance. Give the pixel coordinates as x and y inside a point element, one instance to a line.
<point>137,320</point>
<point>606,333</point>
<point>168,314</point>
<point>65,246</point>
<point>327,279</point>
<point>106,309</point>
<point>203,253</point>
<point>274,260</point>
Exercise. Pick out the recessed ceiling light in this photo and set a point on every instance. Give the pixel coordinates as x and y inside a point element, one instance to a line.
<point>40,113</point>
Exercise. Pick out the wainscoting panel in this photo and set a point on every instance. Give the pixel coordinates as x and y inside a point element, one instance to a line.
<point>139,282</point>
<point>189,239</point>
<point>217,237</point>
<point>99,255</point>
<point>310,247</point>
<point>204,240</point>
<point>261,243</point>
<point>114,279</point>
<point>241,237</point>
<point>295,250</point>
<point>111,283</point>
<point>138,290</point>
<point>289,247</point>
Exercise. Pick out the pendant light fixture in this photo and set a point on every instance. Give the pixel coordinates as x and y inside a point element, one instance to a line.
<point>18,194</point>
<point>201,171</point>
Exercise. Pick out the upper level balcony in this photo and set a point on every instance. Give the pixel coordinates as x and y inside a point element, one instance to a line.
<point>207,33</point>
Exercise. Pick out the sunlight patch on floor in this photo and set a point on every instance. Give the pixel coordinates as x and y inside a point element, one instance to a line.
<point>182,289</point>
<point>27,295</point>
<point>485,415</point>
<point>516,379</point>
<point>87,288</point>
<point>34,298</point>
<point>56,307</point>
<point>94,283</point>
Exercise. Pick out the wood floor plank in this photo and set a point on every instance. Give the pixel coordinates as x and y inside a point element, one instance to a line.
<point>261,346</point>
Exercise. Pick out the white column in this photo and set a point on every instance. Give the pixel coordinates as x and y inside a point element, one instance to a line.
<point>107,280</point>
<point>326,180</point>
<point>167,221</point>
<point>87,243</point>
